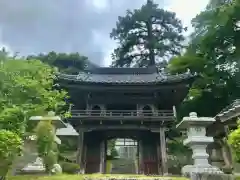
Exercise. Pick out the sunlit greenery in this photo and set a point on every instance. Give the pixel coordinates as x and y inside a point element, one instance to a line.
<point>26,89</point>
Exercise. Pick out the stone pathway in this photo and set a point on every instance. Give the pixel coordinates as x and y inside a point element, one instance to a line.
<point>123,166</point>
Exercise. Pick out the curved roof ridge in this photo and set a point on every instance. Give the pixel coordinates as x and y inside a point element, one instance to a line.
<point>124,70</point>
<point>125,78</point>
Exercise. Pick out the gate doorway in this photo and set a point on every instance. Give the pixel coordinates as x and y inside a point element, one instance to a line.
<point>122,156</point>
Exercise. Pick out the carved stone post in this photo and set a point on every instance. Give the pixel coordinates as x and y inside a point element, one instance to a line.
<point>163,151</point>
<point>198,142</point>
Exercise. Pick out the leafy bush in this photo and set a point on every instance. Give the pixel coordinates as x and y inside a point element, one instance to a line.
<point>70,168</point>
<point>234,141</point>
<point>10,147</point>
<point>47,147</point>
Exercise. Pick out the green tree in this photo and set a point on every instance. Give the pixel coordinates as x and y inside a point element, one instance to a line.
<point>213,53</point>
<point>234,141</point>
<point>26,89</point>
<point>70,63</point>
<point>111,147</point>
<point>147,35</point>
<point>10,147</point>
<point>47,147</point>
<point>28,86</point>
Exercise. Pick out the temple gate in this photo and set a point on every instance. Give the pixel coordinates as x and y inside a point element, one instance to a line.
<point>137,103</point>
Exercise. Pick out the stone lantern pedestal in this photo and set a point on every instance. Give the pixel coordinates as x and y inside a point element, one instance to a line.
<point>198,142</point>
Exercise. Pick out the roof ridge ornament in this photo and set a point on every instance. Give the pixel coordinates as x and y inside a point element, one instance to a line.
<point>82,76</point>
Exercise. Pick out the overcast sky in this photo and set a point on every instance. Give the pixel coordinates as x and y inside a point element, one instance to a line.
<point>39,26</point>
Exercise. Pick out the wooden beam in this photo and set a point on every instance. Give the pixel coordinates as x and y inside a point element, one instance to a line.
<point>154,128</point>
<point>123,118</point>
<point>122,99</point>
<point>126,88</point>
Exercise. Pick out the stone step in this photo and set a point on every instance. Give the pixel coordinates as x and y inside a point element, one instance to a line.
<point>123,166</point>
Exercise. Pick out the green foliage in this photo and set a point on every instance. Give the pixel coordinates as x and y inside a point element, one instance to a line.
<point>68,144</point>
<point>10,147</point>
<point>46,145</point>
<point>26,88</point>
<point>146,33</point>
<point>13,119</point>
<point>68,63</point>
<point>45,137</point>
<point>213,54</point>
<point>50,159</point>
<point>234,141</point>
<point>111,147</point>
<point>70,168</point>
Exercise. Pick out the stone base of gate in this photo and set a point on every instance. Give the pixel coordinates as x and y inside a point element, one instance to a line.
<point>193,169</point>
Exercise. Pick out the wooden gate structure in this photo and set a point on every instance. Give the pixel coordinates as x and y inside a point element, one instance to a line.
<point>137,103</point>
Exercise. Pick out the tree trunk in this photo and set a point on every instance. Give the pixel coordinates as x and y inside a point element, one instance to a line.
<point>150,43</point>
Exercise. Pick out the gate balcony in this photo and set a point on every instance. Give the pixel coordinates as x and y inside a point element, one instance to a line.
<point>165,115</point>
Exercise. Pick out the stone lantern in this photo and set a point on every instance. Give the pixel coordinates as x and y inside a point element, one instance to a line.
<point>37,166</point>
<point>56,122</point>
<point>198,142</point>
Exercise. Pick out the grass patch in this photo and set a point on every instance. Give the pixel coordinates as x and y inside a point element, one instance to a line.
<point>93,176</point>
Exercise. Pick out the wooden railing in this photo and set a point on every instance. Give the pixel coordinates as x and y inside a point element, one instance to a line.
<point>121,113</point>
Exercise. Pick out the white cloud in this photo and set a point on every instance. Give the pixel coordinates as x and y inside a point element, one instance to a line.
<point>4,45</point>
<point>100,5</point>
<point>186,9</point>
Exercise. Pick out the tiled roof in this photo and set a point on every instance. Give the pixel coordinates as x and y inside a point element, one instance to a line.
<point>112,70</point>
<point>125,78</point>
<point>231,111</point>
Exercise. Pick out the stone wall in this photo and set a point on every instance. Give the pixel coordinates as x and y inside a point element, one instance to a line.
<point>211,176</point>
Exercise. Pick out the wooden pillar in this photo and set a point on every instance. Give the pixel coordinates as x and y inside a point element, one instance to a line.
<point>105,156</point>
<point>80,149</point>
<point>159,159</point>
<point>138,161</point>
<point>163,151</point>
<point>141,165</point>
<point>102,157</point>
<point>84,157</point>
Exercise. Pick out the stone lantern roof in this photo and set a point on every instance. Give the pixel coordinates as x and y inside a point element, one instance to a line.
<point>67,131</point>
<point>56,120</point>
